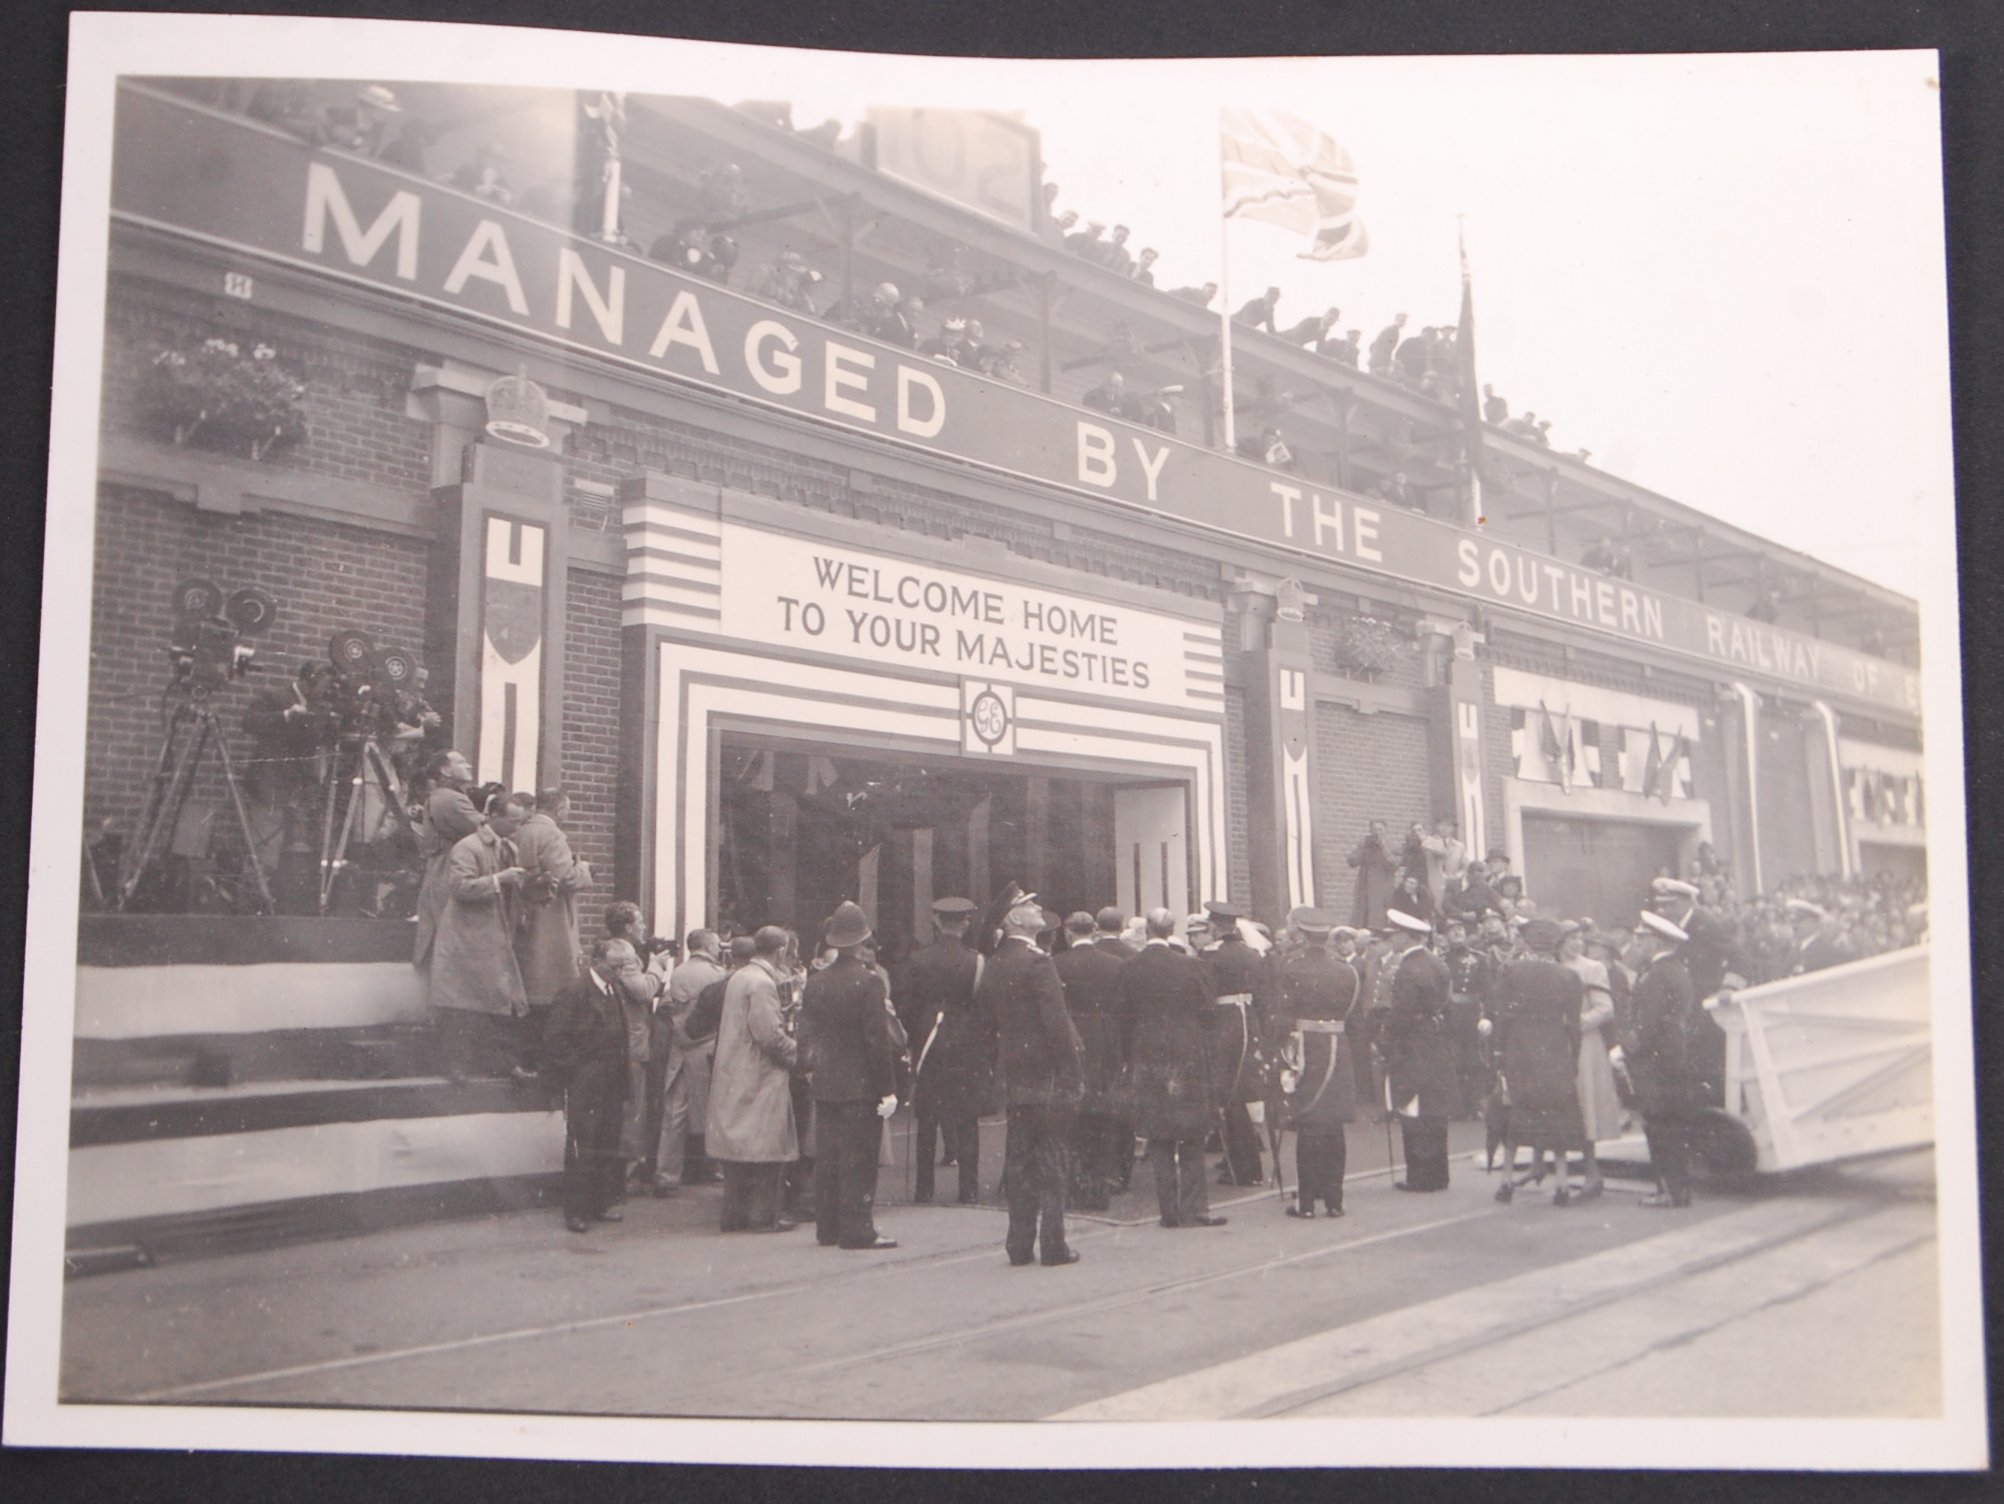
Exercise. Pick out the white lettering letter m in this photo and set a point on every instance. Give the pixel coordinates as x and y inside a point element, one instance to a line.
<point>325,198</point>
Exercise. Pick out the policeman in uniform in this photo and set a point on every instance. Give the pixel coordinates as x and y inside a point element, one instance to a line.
<point>953,1068</point>
<point>1310,995</point>
<point>1423,1088</point>
<point>1669,1091</point>
<point>1235,970</point>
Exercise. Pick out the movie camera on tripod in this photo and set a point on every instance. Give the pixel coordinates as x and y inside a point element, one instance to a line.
<point>205,652</point>
<point>208,648</point>
<point>376,695</point>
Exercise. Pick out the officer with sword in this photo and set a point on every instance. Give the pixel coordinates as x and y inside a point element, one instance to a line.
<point>1234,1030</point>
<point>954,1068</point>
<point>1308,1000</point>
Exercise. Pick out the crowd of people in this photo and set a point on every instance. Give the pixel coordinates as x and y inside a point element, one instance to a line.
<point>772,1065</point>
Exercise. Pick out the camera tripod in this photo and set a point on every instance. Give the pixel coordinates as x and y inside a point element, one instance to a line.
<point>191,730</point>
<point>337,831</point>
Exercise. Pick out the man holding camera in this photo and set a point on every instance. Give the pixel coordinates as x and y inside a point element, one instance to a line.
<point>448,818</point>
<point>476,987</point>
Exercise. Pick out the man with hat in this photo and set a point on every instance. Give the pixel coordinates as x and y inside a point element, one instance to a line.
<point>1716,962</point>
<point>1042,1075</point>
<point>846,1035</point>
<point>1537,1037</point>
<point>1814,947</point>
<point>1165,1002</point>
<point>1421,1083</point>
<point>1310,996</point>
<point>954,1069</point>
<point>1236,972</point>
<point>585,1047</point>
<point>1669,1091</point>
<point>1091,977</point>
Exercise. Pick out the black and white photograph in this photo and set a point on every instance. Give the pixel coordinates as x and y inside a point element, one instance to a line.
<point>1046,757</point>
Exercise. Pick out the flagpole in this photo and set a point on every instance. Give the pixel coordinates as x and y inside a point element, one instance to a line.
<point>1225,293</point>
<point>1470,399</point>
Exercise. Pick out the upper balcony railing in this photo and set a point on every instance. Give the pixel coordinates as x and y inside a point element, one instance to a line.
<point>260,191</point>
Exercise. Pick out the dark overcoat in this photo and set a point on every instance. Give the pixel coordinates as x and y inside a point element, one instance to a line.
<point>1039,1047</point>
<point>1237,971</point>
<point>1091,977</point>
<point>1165,1002</point>
<point>1537,1007</point>
<point>952,1035</point>
<point>1419,1051</point>
<point>1375,870</point>
<point>1311,996</point>
<point>845,1033</point>
<point>1663,1010</point>
<point>587,1027</point>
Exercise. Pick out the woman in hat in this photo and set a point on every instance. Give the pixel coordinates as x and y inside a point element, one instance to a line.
<point>1600,1101</point>
<point>1538,1009</point>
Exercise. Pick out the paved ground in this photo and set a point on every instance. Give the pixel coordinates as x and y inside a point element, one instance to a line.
<point>1413,1304</point>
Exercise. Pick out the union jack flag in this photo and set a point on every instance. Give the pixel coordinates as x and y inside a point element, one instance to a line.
<point>1281,169</point>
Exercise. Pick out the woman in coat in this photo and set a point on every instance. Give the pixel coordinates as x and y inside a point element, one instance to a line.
<point>1538,1004</point>
<point>749,1130</point>
<point>1600,1100</point>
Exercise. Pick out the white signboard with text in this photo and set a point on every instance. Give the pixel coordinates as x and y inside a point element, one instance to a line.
<point>800,594</point>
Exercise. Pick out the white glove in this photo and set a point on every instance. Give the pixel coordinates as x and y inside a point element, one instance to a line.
<point>1617,1057</point>
<point>888,1105</point>
<point>1484,1028</point>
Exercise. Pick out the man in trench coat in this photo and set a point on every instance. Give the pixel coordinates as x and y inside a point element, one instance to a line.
<point>546,934</point>
<point>1165,1005</point>
<point>475,987</point>
<point>750,1131</point>
<point>449,817</point>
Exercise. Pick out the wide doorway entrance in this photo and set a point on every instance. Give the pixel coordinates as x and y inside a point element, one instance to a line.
<point>801,826</point>
<point>1577,868</point>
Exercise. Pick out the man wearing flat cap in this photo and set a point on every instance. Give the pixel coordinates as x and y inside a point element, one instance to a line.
<point>1669,1091</point>
<point>845,1022</point>
<point>1236,972</point>
<point>1423,1088</point>
<point>1041,1072</point>
<point>1310,996</point>
<point>954,1036</point>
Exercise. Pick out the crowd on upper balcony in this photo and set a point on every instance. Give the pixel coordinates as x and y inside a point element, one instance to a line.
<point>936,315</point>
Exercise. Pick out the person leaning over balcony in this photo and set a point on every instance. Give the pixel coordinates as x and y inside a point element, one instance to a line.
<point>1200,296</point>
<point>476,988</point>
<point>1385,346</point>
<point>1144,266</point>
<point>1345,352</point>
<point>1114,254</point>
<point>1258,314</point>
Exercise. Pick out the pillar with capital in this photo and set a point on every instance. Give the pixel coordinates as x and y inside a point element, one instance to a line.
<point>494,643</point>
<point>1280,774</point>
<point>1455,676</point>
